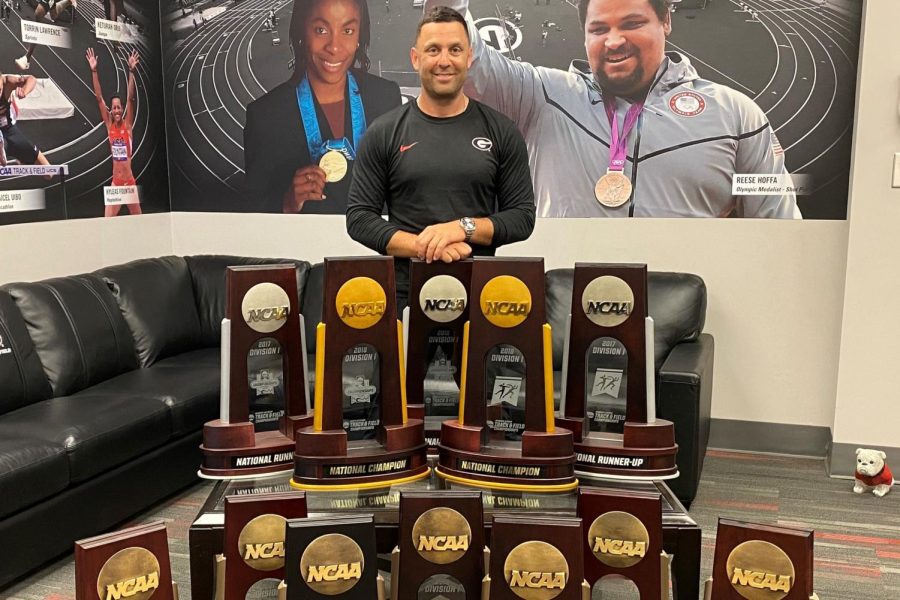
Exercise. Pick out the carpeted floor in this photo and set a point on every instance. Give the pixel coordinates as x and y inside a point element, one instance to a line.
<point>857,536</point>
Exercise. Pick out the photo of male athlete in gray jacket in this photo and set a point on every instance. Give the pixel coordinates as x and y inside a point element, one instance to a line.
<point>690,138</point>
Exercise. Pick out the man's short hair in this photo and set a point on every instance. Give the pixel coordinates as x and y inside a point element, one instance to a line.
<point>662,8</point>
<point>442,14</point>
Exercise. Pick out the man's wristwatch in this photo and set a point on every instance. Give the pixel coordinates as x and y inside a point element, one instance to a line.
<point>468,225</point>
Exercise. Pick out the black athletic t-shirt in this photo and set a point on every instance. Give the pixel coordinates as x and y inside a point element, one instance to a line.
<point>430,170</point>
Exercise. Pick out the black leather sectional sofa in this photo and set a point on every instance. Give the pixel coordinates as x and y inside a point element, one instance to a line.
<point>106,379</point>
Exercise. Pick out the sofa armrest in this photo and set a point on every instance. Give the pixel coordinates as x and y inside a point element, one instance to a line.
<point>684,396</point>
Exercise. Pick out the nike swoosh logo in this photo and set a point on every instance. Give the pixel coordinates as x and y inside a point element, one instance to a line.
<point>405,148</point>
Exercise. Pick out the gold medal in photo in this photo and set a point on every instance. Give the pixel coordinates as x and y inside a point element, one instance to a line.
<point>613,189</point>
<point>335,166</point>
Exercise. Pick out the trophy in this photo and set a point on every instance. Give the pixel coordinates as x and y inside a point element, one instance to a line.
<point>332,558</point>
<point>433,323</point>
<point>361,435</point>
<point>131,562</point>
<point>505,436</point>
<point>608,391</point>
<point>536,559</point>
<point>754,561</point>
<point>440,555</point>
<point>264,396</point>
<point>254,542</point>
<point>624,537</point>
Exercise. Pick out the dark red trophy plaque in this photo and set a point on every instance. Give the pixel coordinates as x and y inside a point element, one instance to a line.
<point>263,364</point>
<point>129,563</point>
<point>608,395</point>
<point>761,562</point>
<point>434,320</point>
<point>623,536</point>
<point>361,436</point>
<point>254,542</point>
<point>505,436</point>
<point>536,558</point>
<point>441,546</point>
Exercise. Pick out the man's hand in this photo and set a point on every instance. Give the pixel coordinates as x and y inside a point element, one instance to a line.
<point>430,244</point>
<point>307,185</point>
<point>456,251</point>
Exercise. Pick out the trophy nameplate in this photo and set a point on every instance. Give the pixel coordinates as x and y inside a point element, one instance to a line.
<point>361,435</point>
<point>762,562</point>
<point>505,435</point>
<point>441,545</point>
<point>331,558</point>
<point>608,398</point>
<point>622,536</point>
<point>264,396</point>
<point>536,558</point>
<point>254,542</point>
<point>132,563</point>
<point>438,310</point>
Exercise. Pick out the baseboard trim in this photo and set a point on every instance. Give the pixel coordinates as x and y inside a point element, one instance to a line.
<point>771,438</point>
<point>841,459</point>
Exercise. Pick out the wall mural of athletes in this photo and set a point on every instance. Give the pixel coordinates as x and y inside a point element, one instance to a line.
<point>750,114</point>
<point>80,112</point>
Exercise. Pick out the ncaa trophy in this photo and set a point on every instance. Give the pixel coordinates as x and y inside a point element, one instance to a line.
<point>505,436</point>
<point>761,561</point>
<point>536,558</point>
<point>609,381</point>
<point>441,552</point>
<point>433,323</point>
<point>254,542</point>
<point>623,537</point>
<point>361,436</point>
<point>131,562</point>
<point>264,396</point>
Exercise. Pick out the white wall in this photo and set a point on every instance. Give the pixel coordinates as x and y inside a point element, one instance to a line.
<point>869,378</point>
<point>33,251</point>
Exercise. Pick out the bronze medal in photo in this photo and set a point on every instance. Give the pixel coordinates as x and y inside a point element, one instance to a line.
<point>613,189</point>
<point>335,166</point>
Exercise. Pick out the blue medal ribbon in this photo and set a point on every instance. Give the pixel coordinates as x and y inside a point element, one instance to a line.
<point>318,147</point>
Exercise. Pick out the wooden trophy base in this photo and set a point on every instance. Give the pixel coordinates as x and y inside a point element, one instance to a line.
<point>323,460</point>
<point>543,462</point>
<point>432,427</point>
<point>235,450</point>
<point>646,452</point>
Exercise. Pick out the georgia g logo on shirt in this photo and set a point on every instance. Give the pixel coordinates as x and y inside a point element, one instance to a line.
<point>482,143</point>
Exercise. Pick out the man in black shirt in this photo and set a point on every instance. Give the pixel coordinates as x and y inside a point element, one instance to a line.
<point>453,172</point>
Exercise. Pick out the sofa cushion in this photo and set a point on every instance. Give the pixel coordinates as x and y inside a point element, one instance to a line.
<point>676,301</point>
<point>157,300</point>
<point>97,431</point>
<point>30,470</point>
<point>77,330</point>
<point>22,378</point>
<point>188,384</point>
<point>208,281</point>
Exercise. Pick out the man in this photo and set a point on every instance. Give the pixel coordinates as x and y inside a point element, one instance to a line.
<point>54,8</point>
<point>452,172</point>
<point>119,121</point>
<point>15,144</point>
<point>681,138</point>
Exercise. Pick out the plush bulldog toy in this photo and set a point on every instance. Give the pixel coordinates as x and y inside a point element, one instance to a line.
<point>872,472</point>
